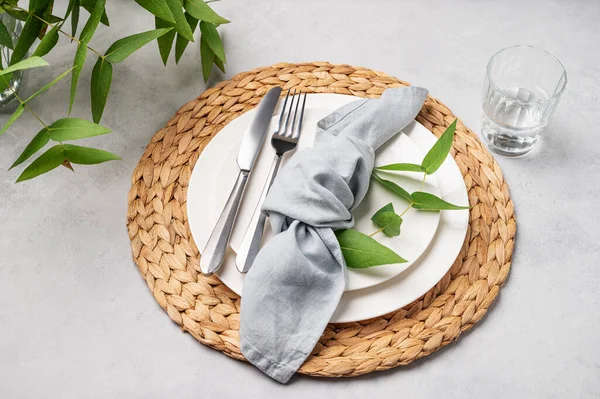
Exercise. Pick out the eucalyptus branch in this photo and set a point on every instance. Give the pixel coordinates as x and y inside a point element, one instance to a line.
<point>60,30</point>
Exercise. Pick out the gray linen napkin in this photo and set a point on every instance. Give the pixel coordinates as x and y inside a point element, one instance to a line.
<point>298,278</point>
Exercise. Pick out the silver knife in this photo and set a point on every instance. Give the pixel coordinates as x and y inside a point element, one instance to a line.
<point>216,247</point>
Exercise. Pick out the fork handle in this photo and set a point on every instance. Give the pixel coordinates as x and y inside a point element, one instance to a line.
<point>253,235</point>
<point>216,247</point>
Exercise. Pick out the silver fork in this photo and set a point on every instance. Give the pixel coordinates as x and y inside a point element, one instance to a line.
<point>284,140</point>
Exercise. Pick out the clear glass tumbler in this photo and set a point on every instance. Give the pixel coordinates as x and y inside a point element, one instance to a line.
<point>522,88</point>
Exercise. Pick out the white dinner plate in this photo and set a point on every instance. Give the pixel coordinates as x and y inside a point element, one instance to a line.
<point>374,291</point>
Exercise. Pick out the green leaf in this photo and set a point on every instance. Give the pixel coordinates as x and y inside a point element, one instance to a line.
<point>429,202</point>
<point>211,35</point>
<point>92,23</point>
<point>89,6</point>
<point>403,167</point>
<point>165,42</point>
<point>5,37</point>
<point>207,59</point>
<point>48,85</point>
<point>48,42</point>
<point>393,187</point>
<point>438,153</point>
<point>16,14</point>
<point>361,251</point>
<point>49,160</point>
<point>387,220</point>
<point>202,11</point>
<point>219,64</point>
<point>30,32</point>
<point>38,141</point>
<point>13,118</point>
<point>51,18</point>
<point>158,8</point>
<point>74,129</point>
<point>101,80</point>
<point>386,208</point>
<point>5,81</point>
<point>123,48</point>
<point>181,25</point>
<point>181,42</point>
<point>28,63</point>
<point>38,7</point>
<point>78,62</point>
<point>74,17</point>
<point>87,156</point>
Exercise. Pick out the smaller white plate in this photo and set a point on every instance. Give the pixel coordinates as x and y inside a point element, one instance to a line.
<point>422,225</point>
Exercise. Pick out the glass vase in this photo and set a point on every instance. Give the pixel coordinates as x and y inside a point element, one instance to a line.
<point>9,83</point>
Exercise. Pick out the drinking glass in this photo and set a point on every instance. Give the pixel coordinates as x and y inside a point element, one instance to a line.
<point>522,88</point>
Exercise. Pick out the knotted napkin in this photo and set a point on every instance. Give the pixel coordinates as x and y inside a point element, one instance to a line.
<point>298,278</point>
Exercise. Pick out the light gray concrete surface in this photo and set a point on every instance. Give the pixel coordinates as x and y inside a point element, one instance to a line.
<point>77,321</point>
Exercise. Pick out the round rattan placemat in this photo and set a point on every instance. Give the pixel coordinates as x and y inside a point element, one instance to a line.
<point>168,259</point>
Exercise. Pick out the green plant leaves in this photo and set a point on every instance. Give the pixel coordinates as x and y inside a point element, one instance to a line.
<point>181,43</point>
<point>78,62</point>
<point>17,14</point>
<point>165,42</point>
<point>92,23</point>
<point>48,85</point>
<point>88,5</point>
<point>74,9</point>
<point>5,37</point>
<point>74,129</point>
<point>208,58</point>
<point>30,32</point>
<point>13,118</point>
<point>158,8</point>
<point>181,25</point>
<point>48,42</point>
<point>393,187</point>
<point>202,11</point>
<point>87,156</point>
<point>101,81</point>
<point>32,62</point>
<point>211,36</point>
<point>401,167</point>
<point>387,220</point>
<point>49,160</point>
<point>429,202</point>
<point>38,142</point>
<point>123,48</point>
<point>438,153</point>
<point>361,251</point>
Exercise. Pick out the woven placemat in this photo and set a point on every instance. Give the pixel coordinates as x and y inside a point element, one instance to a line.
<point>168,259</point>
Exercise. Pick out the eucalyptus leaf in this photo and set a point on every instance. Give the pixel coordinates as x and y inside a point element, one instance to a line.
<point>38,7</point>
<point>49,160</point>
<point>74,16</point>
<point>388,222</point>
<point>181,25</point>
<point>361,251</point>
<point>28,35</point>
<point>181,43</point>
<point>88,156</point>
<point>49,85</point>
<point>28,63</point>
<point>212,38</point>
<point>219,64</point>
<point>401,167</point>
<point>52,19</point>
<point>88,5</point>
<point>5,37</point>
<point>386,208</point>
<point>429,202</point>
<point>123,48</point>
<point>393,187</point>
<point>202,11</point>
<point>440,150</point>
<point>48,42</point>
<point>165,42</point>
<point>92,23</point>
<point>207,58</point>
<point>38,141</point>
<point>18,14</point>
<point>13,118</point>
<point>74,129</point>
<point>101,81</point>
<point>158,8</point>
<point>78,62</point>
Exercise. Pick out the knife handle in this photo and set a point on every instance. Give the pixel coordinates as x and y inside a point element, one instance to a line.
<point>253,236</point>
<point>216,247</point>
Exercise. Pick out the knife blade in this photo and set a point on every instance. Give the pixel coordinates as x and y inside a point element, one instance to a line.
<point>216,247</point>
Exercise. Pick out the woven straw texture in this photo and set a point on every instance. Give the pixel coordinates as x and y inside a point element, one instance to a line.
<point>168,259</point>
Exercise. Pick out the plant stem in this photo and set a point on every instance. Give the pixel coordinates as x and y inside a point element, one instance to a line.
<point>423,181</point>
<point>60,30</point>
<point>23,102</point>
<point>378,231</point>
<point>407,209</point>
